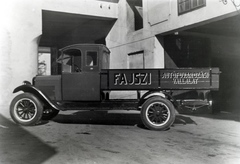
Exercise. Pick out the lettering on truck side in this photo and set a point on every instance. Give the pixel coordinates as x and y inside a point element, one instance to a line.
<point>133,79</point>
<point>185,77</point>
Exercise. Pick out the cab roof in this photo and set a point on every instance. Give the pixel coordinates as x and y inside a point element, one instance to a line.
<point>85,45</point>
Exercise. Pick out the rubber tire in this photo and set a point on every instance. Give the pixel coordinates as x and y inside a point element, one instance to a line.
<point>167,104</point>
<point>38,111</point>
<point>49,116</point>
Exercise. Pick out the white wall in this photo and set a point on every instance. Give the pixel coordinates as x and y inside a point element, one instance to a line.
<point>21,28</point>
<point>123,39</point>
<point>167,18</point>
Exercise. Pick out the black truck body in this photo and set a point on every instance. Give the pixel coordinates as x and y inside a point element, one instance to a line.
<point>86,82</point>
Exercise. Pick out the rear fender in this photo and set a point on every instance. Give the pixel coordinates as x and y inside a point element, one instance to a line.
<point>156,93</point>
<point>44,98</point>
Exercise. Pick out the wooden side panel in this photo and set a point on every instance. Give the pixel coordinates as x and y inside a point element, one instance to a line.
<point>133,79</point>
<point>191,78</point>
<point>185,78</point>
<point>215,72</point>
<point>153,79</point>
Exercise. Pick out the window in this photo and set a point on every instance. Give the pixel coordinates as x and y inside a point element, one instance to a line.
<point>136,60</point>
<point>185,6</point>
<point>44,61</point>
<point>70,60</point>
<point>91,58</point>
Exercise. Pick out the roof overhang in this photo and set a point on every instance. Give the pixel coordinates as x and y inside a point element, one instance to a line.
<point>62,29</point>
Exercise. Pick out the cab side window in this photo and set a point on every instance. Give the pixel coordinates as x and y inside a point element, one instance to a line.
<point>91,58</point>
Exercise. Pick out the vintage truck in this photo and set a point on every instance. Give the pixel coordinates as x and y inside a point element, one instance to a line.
<point>86,83</point>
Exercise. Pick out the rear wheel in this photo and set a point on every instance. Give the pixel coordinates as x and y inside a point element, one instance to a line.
<point>158,113</point>
<point>26,109</point>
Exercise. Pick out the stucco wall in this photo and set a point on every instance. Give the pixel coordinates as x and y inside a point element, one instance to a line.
<point>21,29</point>
<point>123,40</point>
<point>162,22</point>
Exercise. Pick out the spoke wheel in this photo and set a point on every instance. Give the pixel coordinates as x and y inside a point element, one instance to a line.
<point>26,109</point>
<point>157,113</point>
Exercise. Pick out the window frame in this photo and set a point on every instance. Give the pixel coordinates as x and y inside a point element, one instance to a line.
<point>190,4</point>
<point>97,63</point>
<point>72,61</point>
<point>136,53</point>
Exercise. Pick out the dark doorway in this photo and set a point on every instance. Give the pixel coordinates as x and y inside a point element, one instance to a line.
<point>214,44</point>
<point>187,51</point>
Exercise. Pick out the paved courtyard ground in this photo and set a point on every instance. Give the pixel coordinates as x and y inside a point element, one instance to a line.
<point>89,137</point>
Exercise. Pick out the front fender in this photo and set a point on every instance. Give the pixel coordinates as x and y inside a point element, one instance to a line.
<point>44,98</point>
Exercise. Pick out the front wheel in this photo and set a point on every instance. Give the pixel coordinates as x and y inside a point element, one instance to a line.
<point>26,109</point>
<point>158,113</point>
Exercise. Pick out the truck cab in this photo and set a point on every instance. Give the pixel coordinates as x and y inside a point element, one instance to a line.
<point>80,76</point>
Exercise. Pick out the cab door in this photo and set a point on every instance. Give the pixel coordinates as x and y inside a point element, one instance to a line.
<point>80,76</point>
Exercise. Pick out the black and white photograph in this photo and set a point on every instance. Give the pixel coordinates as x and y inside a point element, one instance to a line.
<point>120,82</point>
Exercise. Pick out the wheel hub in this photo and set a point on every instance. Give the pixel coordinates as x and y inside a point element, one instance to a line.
<point>157,114</point>
<point>26,110</point>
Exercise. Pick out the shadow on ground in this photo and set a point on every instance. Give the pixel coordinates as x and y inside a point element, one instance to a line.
<point>17,146</point>
<point>219,116</point>
<point>105,118</point>
<point>210,113</point>
<point>98,117</point>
